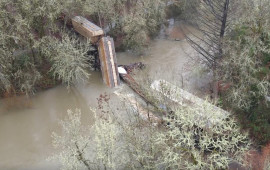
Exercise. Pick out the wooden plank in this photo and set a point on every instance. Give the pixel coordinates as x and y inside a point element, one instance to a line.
<point>86,28</point>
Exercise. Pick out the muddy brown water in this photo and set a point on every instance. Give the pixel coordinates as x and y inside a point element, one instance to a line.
<point>26,124</point>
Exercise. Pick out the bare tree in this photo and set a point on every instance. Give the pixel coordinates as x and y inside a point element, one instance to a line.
<point>212,22</point>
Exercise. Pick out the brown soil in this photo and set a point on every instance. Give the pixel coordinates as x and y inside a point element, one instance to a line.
<point>176,33</point>
<point>257,159</point>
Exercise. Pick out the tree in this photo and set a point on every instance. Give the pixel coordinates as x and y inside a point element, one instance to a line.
<point>25,25</point>
<point>21,24</point>
<point>32,42</point>
<point>132,20</point>
<point>186,141</point>
<point>245,68</point>
<point>141,21</point>
<point>267,164</point>
<point>129,22</point>
<point>4,68</point>
<point>69,58</point>
<point>194,143</point>
<point>183,9</point>
<point>73,143</point>
<point>212,23</point>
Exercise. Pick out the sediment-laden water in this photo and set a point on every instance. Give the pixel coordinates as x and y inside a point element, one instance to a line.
<point>26,124</point>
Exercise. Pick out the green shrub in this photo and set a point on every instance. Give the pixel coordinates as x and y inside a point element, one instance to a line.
<point>247,53</point>
<point>69,59</point>
<point>121,139</point>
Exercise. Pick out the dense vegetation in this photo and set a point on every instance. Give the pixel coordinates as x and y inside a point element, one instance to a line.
<point>28,61</point>
<point>121,139</point>
<point>39,49</point>
<point>235,47</point>
<point>245,68</point>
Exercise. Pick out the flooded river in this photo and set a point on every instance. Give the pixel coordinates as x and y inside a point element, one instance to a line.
<point>25,131</point>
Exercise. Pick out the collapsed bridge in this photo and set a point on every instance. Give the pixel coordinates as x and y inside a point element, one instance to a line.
<point>111,73</point>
